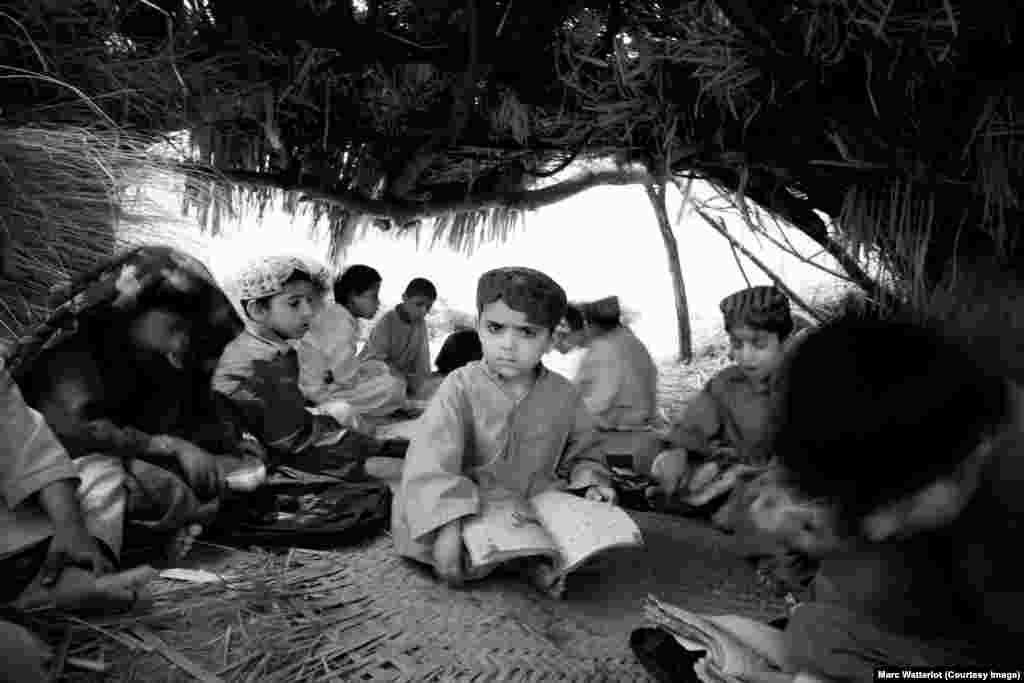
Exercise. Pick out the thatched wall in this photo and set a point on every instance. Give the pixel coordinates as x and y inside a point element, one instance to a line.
<point>63,199</point>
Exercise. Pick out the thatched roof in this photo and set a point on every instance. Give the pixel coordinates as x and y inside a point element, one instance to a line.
<point>886,116</point>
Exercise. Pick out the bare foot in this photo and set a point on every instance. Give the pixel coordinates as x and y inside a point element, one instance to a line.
<point>181,542</point>
<point>81,590</point>
<point>384,468</point>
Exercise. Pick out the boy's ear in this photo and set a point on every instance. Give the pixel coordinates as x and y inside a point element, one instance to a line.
<point>550,343</point>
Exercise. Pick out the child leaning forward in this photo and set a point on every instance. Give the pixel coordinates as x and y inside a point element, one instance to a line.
<point>259,373</point>
<point>503,424</point>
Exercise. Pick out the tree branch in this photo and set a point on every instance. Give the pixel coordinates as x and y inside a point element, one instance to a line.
<point>801,215</point>
<point>788,247</point>
<point>401,212</point>
<point>461,108</point>
<point>719,227</point>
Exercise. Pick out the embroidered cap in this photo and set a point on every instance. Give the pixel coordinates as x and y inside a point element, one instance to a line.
<point>537,296</point>
<point>758,306</point>
<point>267,275</point>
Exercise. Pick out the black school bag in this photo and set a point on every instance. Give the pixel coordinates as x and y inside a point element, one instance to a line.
<point>316,516</point>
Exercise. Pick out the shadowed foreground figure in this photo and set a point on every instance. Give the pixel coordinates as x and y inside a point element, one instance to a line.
<point>121,371</point>
<point>906,483</point>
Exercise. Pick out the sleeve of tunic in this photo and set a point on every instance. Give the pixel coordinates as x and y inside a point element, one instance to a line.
<point>379,344</point>
<point>699,424</point>
<point>435,490</point>
<point>266,394</point>
<point>31,458</point>
<point>583,462</point>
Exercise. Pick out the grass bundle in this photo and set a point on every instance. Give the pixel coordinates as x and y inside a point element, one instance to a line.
<point>64,208</point>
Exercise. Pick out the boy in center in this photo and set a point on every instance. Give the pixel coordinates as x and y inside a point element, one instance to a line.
<point>502,424</point>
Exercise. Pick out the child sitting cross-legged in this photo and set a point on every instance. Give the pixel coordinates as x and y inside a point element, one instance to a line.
<point>400,339</point>
<point>259,373</point>
<point>501,425</point>
<point>59,534</point>
<point>722,435</point>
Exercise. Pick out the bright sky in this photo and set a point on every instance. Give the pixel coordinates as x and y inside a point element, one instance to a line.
<point>601,242</point>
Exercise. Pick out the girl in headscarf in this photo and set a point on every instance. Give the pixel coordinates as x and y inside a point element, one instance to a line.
<point>121,370</point>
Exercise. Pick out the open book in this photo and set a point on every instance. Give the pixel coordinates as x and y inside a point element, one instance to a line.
<point>566,528</point>
<point>738,649</point>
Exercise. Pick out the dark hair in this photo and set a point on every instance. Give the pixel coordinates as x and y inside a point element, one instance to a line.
<point>296,276</point>
<point>872,410</point>
<point>461,347</point>
<point>574,317</point>
<point>354,281</point>
<point>535,294</point>
<point>421,286</point>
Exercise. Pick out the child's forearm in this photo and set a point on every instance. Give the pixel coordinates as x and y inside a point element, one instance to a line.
<point>103,436</point>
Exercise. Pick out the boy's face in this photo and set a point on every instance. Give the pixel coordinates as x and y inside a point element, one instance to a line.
<point>289,313</point>
<point>162,333</point>
<point>365,304</point>
<point>756,352</point>
<point>512,346</point>
<point>417,307</point>
<point>774,510</point>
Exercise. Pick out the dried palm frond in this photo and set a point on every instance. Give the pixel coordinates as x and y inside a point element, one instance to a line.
<point>465,231</point>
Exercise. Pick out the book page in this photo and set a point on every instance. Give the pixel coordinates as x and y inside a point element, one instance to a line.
<point>582,528</point>
<point>736,646</point>
<point>505,528</point>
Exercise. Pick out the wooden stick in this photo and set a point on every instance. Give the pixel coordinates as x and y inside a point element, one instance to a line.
<point>739,264</point>
<point>719,227</point>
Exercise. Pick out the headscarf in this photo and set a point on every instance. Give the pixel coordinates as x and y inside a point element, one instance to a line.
<point>128,284</point>
<point>536,295</point>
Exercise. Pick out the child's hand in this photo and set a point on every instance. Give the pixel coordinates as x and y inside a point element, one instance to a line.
<point>72,546</point>
<point>200,468</point>
<point>449,553</point>
<point>669,470</point>
<point>601,493</point>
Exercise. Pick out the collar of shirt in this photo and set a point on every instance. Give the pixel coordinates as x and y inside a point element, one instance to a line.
<point>400,312</point>
<point>539,375</point>
<point>282,347</point>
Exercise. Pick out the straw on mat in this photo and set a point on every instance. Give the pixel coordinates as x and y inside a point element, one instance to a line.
<point>362,614</point>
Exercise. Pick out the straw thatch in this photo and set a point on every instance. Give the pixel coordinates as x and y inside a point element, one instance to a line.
<point>65,207</point>
<point>885,117</point>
